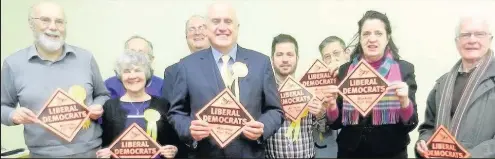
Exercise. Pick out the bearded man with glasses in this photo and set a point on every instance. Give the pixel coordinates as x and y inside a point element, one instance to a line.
<point>31,75</point>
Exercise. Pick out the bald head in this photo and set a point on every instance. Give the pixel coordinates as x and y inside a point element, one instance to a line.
<point>222,7</point>
<point>46,7</point>
<point>47,21</point>
<point>223,26</point>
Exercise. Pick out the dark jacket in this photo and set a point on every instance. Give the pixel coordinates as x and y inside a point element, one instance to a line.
<point>114,118</point>
<point>198,81</point>
<point>169,77</point>
<point>477,131</point>
<point>376,141</point>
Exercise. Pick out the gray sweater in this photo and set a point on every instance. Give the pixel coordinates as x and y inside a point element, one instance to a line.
<point>29,81</point>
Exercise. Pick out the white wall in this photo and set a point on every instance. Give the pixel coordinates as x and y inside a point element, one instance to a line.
<point>423,30</point>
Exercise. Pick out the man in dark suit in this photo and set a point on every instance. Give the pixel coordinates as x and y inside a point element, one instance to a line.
<point>196,40</point>
<point>200,79</point>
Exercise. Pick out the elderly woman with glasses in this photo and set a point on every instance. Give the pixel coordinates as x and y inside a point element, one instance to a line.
<point>134,71</point>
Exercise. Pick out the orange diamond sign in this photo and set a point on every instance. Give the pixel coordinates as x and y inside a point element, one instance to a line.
<point>63,115</point>
<point>225,116</point>
<point>294,98</point>
<point>134,143</point>
<point>443,145</point>
<point>317,77</point>
<point>363,87</point>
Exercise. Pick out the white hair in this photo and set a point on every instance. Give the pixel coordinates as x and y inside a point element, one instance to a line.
<point>473,15</point>
<point>129,59</point>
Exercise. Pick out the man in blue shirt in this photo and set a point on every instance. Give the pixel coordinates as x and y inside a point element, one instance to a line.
<point>154,88</point>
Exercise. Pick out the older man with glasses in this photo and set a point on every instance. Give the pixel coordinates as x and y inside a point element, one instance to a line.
<point>196,41</point>
<point>462,100</point>
<point>31,75</point>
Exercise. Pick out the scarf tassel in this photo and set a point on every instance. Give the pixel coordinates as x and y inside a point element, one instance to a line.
<point>385,116</point>
<point>350,117</point>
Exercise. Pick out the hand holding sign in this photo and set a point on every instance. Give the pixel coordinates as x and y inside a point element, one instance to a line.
<point>63,115</point>
<point>104,153</point>
<point>316,108</point>
<point>199,130</point>
<point>318,77</point>
<point>95,111</point>
<point>134,142</point>
<point>443,145</point>
<point>422,148</point>
<point>363,87</point>
<point>330,94</point>
<point>402,91</point>
<point>168,151</point>
<point>253,130</point>
<point>23,115</point>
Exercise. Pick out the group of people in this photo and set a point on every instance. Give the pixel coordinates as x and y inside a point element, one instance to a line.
<point>461,100</point>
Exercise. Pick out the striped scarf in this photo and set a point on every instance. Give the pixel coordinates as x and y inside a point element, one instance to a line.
<point>387,110</point>
<point>445,106</point>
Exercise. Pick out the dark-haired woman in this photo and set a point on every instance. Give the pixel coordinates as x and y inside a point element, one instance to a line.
<point>384,132</point>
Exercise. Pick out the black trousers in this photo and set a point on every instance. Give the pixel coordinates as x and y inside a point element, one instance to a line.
<point>366,154</point>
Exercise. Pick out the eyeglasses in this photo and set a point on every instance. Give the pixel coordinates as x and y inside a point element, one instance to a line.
<point>476,34</point>
<point>194,29</point>
<point>47,21</point>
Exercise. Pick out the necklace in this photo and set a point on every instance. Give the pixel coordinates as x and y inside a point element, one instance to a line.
<point>137,110</point>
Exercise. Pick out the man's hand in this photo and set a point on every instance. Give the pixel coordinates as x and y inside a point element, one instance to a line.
<point>253,130</point>
<point>316,108</point>
<point>104,153</point>
<point>23,115</point>
<point>199,130</point>
<point>168,151</point>
<point>95,111</point>
<point>422,148</point>
<point>402,91</point>
<point>330,97</point>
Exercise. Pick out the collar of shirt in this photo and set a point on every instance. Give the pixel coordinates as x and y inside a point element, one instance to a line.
<point>33,52</point>
<point>461,69</point>
<point>217,54</point>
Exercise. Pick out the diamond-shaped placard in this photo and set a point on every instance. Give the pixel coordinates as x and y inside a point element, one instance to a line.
<point>225,116</point>
<point>363,87</point>
<point>63,115</point>
<point>317,77</point>
<point>294,98</point>
<point>443,145</point>
<point>134,143</point>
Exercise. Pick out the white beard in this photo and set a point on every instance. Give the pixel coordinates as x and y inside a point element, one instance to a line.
<point>49,44</point>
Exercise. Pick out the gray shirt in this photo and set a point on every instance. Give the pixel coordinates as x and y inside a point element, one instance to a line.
<point>29,81</point>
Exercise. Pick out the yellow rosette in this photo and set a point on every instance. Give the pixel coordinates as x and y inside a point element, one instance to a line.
<point>239,69</point>
<point>151,116</point>
<point>79,94</point>
<point>294,130</point>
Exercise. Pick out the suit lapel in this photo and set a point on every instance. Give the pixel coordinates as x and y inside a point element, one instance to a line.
<point>243,81</point>
<point>210,71</point>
